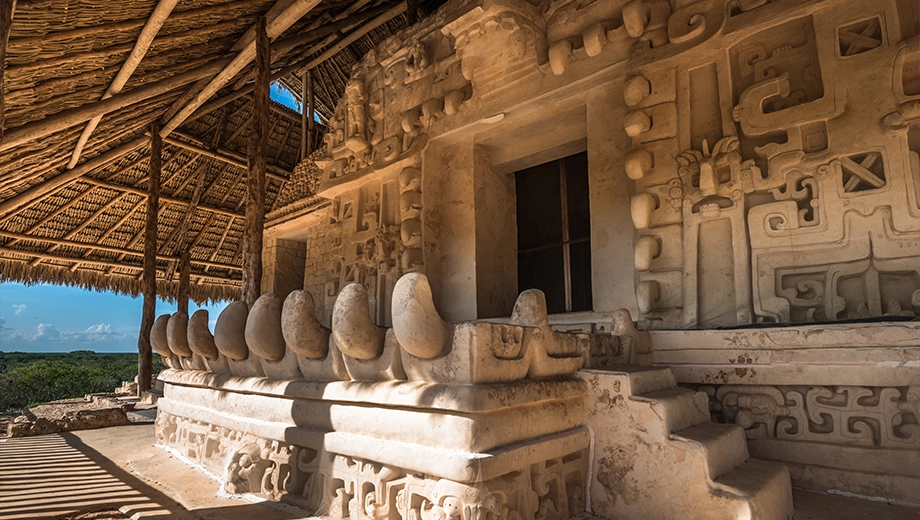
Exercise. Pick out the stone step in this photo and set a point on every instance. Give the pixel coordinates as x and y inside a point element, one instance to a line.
<point>637,380</point>
<point>724,445</point>
<point>678,408</point>
<point>766,487</point>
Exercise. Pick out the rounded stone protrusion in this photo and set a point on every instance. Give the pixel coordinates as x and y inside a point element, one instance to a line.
<point>411,232</point>
<point>594,39</point>
<point>200,339</point>
<point>560,54</point>
<point>352,329</point>
<point>635,18</point>
<point>646,249</point>
<point>177,334</point>
<point>410,204</point>
<point>453,100</point>
<point>416,322</point>
<point>263,328</point>
<point>230,331</point>
<point>638,163</point>
<point>302,333</point>
<point>640,207</point>
<point>410,179</point>
<point>412,258</point>
<point>636,123</point>
<point>158,338</point>
<point>647,293</point>
<point>636,89</point>
<point>530,309</point>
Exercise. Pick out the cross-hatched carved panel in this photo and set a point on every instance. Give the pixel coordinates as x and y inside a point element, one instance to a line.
<point>860,37</point>
<point>862,172</point>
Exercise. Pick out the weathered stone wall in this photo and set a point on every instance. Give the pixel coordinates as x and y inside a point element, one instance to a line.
<point>750,161</point>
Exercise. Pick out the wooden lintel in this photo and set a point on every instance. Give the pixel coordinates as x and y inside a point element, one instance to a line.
<point>222,154</point>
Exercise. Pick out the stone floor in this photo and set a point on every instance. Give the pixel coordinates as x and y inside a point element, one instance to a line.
<point>58,475</point>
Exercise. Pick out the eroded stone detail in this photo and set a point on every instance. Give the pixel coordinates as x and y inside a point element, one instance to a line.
<point>849,415</point>
<point>342,486</point>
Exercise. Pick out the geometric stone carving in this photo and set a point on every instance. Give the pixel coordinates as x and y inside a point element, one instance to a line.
<point>861,36</point>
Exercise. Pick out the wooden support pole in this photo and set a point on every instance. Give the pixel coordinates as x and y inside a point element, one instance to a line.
<point>255,182</point>
<point>311,111</point>
<point>412,11</point>
<point>144,350</point>
<point>304,131</point>
<point>6,22</point>
<point>185,277</point>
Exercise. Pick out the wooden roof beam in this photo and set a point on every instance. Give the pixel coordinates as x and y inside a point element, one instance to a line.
<point>7,7</point>
<point>36,192</point>
<point>163,198</point>
<point>68,118</point>
<point>224,155</point>
<point>156,20</point>
<point>126,25</point>
<point>278,19</point>
<point>302,65</point>
<point>114,265</point>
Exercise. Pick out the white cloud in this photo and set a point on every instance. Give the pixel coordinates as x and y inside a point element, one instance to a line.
<point>19,308</point>
<point>47,332</point>
<point>101,328</point>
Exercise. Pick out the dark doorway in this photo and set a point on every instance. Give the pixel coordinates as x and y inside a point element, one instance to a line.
<point>554,232</point>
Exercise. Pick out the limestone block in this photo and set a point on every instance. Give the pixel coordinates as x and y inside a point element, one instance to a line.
<point>329,368</point>
<point>647,293</point>
<point>177,334</point>
<point>385,367</point>
<point>218,365</point>
<point>249,367</point>
<point>647,248</point>
<point>639,163</point>
<point>302,333</point>
<point>200,339</point>
<point>158,339</point>
<point>285,368</point>
<point>553,353</point>
<point>641,207</point>
<point>416,323</point>
<point>636,89</point>
<point>354,332</point>
<point>230,331</point>
<point>263,328</point>
<point>479,353</point>
<point>637,122</point>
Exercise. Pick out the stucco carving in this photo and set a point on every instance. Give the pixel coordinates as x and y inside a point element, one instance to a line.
<point>849,415</point>
<point>341,486</point>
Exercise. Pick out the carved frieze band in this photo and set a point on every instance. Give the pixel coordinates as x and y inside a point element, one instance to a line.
<point>874,417</point>
<point>340,486</point>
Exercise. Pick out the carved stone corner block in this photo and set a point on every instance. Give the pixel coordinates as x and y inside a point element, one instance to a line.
<point>479,353</point>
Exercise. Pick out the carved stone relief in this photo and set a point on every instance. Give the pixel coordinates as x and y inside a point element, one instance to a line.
<point>875,417</point>
<point>340,486</point>
<point>821,220</point>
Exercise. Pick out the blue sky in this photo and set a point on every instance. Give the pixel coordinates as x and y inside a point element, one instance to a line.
<point>54,318</point>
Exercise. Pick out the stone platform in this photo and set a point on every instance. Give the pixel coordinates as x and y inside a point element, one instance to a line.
<point>119,468</point>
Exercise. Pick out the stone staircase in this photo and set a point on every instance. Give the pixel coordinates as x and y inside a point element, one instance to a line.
<point>656,454</point>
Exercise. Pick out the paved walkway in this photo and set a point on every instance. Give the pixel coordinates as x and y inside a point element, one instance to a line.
<point>51,476</point>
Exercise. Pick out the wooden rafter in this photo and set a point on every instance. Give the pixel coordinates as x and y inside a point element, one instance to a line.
<point>278,19</point>
<point>222,154</point>
<point>6,22</point>
<point>156,20</point>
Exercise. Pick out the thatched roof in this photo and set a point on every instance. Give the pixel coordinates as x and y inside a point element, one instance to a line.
<point>84,225</point>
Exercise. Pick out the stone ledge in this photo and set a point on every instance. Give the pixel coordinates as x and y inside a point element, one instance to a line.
<point>412,394</point>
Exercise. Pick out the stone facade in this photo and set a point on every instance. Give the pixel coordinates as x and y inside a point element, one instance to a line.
<point>749,163</point>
